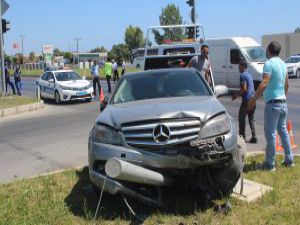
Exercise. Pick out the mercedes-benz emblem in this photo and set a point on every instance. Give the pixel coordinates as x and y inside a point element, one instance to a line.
<point>161,133</point>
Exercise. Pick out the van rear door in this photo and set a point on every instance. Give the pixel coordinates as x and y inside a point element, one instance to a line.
<point>233,74</point>
<point>218,55</point>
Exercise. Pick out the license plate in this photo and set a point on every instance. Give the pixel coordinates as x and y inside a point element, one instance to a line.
<point>81,93</point>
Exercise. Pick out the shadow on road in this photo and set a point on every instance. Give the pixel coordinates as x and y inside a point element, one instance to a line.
<point>82,202</point>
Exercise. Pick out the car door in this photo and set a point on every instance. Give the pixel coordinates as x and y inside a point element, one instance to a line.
<point>218,57</point>
<point>233,74</point>
<point>50,85</point>
<point>42,84</point>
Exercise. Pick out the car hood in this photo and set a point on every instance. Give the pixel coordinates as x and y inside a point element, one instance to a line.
<point>182,107</point>
<point>74,83</point>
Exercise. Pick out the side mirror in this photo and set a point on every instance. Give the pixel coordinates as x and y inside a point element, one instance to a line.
<point>103,104</point>
<point>221,90</point>
<point>51,81</point>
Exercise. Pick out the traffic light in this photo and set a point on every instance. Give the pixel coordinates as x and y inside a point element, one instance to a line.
<point>191,3</point>
<point>5,25</point>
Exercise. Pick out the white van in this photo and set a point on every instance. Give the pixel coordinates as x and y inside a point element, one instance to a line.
<point>225,55</point>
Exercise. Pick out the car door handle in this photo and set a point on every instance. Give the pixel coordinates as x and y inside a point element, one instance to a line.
<point>224,67</point>
<point>230,67</point>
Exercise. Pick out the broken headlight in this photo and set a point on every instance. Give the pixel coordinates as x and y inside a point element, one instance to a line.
<point>216,126</point>
<point>106,135</point>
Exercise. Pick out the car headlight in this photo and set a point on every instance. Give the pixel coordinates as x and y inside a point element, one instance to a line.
<point>106,135</point>
<point>216,126</point>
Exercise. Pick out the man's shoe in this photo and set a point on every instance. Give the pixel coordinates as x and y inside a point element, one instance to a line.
<point>288,164</point>
<point>253,140</point>
<point>265,166</point>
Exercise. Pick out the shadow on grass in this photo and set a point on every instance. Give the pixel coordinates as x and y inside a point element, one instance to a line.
<point>82,202</point>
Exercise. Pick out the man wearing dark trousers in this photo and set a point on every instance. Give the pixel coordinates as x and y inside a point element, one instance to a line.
<point>7,80</point>
<point>246,92</point>
<point>96,78</point>
<point>108,72</point>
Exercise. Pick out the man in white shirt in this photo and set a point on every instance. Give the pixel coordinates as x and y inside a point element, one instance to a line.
<point>123,68</point>
<point>115,71</point>
<point>96,77</point>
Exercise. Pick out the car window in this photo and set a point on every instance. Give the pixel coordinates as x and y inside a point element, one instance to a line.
<point>65,76</point>
<point>163,85</point>
<point>293,60</point>
<point>50,76</point>
<point>236,56</point>
<point>45,76</point>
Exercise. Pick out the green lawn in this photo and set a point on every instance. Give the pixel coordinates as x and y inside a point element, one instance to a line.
<point>13,101</point>
<point>82,72</point>
<point>66,198</point>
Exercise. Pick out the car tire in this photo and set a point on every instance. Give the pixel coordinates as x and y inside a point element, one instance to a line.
<point>223,180</point>
<point>57,97</point>
<point>298,73</point>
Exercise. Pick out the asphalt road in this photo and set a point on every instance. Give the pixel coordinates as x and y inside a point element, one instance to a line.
<point>55,138</point>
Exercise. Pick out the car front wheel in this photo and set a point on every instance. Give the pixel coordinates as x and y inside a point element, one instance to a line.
<point>57,97</point>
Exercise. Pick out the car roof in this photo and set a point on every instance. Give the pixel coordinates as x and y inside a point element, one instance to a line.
<point>62,71</point>
<point>156,71</point>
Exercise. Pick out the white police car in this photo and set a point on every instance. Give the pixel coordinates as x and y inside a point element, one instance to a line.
<point>63,86</point>
<point>293,66</point>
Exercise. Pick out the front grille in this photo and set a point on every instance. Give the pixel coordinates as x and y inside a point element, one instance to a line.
<point>178,131</point>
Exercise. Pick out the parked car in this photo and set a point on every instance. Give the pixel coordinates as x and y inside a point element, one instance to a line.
<point>63,86</point>
<point>165,128</point>
<point>293,66</point>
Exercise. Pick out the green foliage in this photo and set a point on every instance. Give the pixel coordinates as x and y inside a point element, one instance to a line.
<point>32,56</point>
<point>134,37</point>
<point>57,52</point>
<point>119,53</point>
<point>99,50</point>
<point>169,16</point>
<point>68,55</point>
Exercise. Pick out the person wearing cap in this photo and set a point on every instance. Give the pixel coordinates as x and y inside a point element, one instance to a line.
<point>246,92</point>
<point>274,87</point>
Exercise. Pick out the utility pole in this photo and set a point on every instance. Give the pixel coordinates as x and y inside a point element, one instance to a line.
<point>77,48</point>
<point>22,46</point>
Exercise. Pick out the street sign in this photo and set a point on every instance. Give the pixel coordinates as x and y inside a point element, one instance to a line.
<point>4,6</point>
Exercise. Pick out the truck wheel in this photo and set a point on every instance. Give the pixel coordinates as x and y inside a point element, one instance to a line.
<point>222,181</point>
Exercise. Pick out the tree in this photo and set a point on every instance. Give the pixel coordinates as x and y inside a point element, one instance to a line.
<point>57,52</point>
<point>119,53</point>
<point>134,37</point>
<point>169,16</point>
<point>68,55</point>
<point>98,50</point>
<point>297,30</point>
<point>32,57</point>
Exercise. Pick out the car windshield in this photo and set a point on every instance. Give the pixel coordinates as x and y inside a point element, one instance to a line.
<point>65,76</point>
<point>166,84</point>
<point>293,60</point>
<point>255,54</point>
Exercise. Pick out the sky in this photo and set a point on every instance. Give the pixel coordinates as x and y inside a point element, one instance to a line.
<point>103,22</point>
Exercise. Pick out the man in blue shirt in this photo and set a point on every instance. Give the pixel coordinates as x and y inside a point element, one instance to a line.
<point>247,92</point>
<point>274,87</point>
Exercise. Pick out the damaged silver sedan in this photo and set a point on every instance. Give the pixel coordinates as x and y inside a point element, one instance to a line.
<point>165,128</point>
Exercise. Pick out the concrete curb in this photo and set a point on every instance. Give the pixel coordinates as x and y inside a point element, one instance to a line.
<point>21,109</point>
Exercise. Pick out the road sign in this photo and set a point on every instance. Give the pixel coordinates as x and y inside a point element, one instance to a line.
<point>4,6</point>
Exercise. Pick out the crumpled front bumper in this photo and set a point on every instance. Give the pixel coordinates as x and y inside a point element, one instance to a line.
<point>99,153</point>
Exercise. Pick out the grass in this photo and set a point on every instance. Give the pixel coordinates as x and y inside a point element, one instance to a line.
<point>67,198</point>
<point>13,101</point>
<point>82,72</point>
